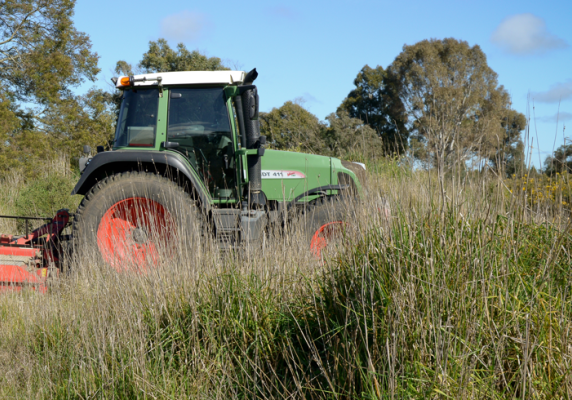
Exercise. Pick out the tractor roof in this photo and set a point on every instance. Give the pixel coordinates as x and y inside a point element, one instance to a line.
<point>182,78</point>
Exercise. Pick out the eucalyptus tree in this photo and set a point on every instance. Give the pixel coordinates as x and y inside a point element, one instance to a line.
<point>292,127</point>
<point>350,137</point>
<point>160,57</point>
<point>42,58</point>
<point>455,109</point>
<point>560,162</point>
<point>374,101</point>
<point>42,55</point>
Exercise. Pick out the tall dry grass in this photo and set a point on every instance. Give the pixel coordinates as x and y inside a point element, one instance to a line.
<point>462,293</point>
<point>10,187</point>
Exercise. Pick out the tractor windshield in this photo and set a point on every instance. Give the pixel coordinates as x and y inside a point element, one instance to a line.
<point>137,123</point>
<point>198,121</point>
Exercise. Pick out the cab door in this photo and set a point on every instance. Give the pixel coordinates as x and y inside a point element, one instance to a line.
<point>198,121</point>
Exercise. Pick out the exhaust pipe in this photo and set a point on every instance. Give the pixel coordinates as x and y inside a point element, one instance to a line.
<point>249,102</point>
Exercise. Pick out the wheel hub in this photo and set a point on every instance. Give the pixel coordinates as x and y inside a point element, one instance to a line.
<point>139,235</point>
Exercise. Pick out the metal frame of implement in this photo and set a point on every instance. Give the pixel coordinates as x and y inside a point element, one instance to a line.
<point>27,261</point>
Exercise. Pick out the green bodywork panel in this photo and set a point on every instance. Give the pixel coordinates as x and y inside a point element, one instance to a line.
<point>286,174</point>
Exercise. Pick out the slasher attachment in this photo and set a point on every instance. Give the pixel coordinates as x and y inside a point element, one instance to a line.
<point>28,260</point>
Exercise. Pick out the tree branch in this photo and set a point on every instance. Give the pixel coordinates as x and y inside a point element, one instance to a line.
<point>19,26</point>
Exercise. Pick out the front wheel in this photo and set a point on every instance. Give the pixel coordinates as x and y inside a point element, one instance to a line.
<point>133,219</point>
<point>324,221</point>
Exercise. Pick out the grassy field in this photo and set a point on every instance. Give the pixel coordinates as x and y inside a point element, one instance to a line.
<point>463,292</point>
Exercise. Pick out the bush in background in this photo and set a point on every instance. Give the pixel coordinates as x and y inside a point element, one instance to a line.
<point>43,197</point>
<point>544,192</point>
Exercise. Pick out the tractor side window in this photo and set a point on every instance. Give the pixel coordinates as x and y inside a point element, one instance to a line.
<point>137,123</point>
<point>199,122</point>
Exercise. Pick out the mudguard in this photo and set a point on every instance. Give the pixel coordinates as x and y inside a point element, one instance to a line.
<point>110,162</point>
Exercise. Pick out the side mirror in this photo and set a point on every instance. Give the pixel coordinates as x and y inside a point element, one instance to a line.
<point>86,149</point>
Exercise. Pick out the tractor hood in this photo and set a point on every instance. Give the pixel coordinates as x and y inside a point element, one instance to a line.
<point>287,175</point>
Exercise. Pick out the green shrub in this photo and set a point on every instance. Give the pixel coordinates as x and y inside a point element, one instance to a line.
<point>43,197</point>
<point>544,192</point>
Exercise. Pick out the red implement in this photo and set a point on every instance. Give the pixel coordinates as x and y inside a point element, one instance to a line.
<point>25,260</point>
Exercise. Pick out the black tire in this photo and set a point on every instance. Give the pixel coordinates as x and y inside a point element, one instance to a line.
<point>162,215</point>
<point>321,212</point>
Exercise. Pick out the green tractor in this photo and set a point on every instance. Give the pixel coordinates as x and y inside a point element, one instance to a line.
<point>188,161</point>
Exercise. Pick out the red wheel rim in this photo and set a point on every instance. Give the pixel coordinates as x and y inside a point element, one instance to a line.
<point>133,232</point>
<point>323,235</point>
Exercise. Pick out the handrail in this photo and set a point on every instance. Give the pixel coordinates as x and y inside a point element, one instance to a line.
<point>28,218</point>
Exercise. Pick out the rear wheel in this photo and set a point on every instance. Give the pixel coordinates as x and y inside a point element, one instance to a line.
<point>132,220</point>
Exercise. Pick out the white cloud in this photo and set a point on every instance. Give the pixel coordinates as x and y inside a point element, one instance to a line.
<point>526,34</point>
<point>560,117</point>
<point>184,26</point>
<point>557,92</point>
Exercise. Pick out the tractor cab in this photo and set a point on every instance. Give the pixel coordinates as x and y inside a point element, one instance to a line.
<point>195,124</point>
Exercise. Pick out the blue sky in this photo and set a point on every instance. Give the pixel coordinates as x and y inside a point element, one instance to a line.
<point>313,50</point>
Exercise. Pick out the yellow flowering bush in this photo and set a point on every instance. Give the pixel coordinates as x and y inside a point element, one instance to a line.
<point>544,191</point>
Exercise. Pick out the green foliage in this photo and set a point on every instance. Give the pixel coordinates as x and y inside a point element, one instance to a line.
<point>162,58</point>
<point>544,192</point>
<point>43,197</point>
<point>42,56</point>
<point>560,162</point>
<point>9,123</point>
<point>347,136</point>
<point>123,68</point>
<point>455,108</point>
<point>41,53</point>
<point>513,159</point>
<point>509,153</point>
<point>375,102</point>
<point>292,127</point>
<point>22,146</point>
<point>63,128</point>
<point>80,120</point>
